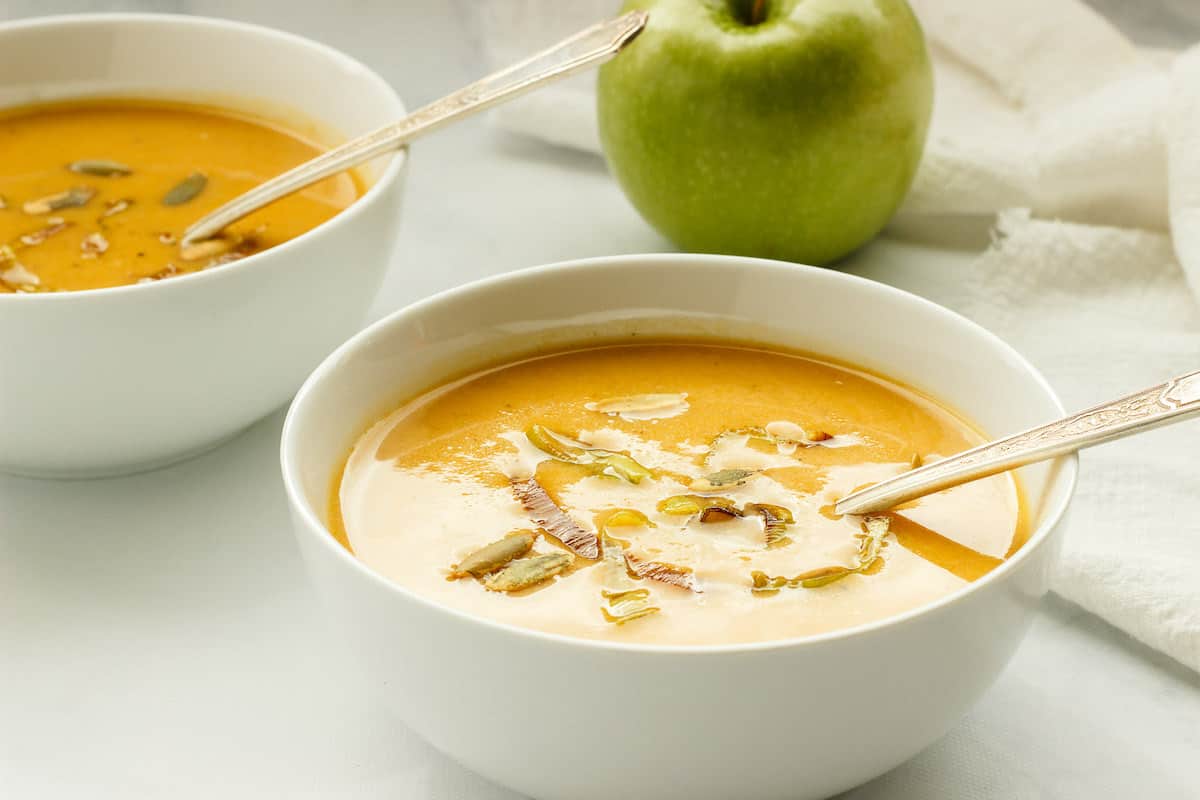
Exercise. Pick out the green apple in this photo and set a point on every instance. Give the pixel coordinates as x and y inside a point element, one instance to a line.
<point>779,128</point>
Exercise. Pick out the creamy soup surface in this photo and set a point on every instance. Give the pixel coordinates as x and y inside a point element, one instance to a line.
<point>97,193</point>
<point>669,493</point>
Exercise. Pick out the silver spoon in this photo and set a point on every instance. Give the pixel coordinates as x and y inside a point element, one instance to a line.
<point>587,48</point>
<point>1175,400</point>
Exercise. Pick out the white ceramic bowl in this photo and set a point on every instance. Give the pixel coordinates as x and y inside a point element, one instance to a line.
<point>563,718</point>
<point>121,379</point>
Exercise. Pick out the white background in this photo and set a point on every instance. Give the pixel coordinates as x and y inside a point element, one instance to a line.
<point>158,637</point>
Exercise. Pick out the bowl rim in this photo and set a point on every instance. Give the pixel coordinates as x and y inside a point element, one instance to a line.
<point>314,526</point>
<point>391,174</point>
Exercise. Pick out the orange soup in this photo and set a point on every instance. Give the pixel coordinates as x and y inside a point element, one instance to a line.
<point>676,493</point>
<point>98,193</point>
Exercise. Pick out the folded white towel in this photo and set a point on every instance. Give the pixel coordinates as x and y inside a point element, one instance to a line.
<point>1044,111</point>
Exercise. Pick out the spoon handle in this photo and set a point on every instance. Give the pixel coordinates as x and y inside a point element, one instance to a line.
<point>590,46</point>
<point>1177,399</point>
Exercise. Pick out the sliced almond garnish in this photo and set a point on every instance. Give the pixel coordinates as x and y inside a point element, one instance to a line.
<point>546,513</point>
<point>660,571</point>
<point>56,225</point>
<point>114,207</point>
<point>16,275</point>
<point>170,270</point>
<point>636,407</point>
<point>93,245</point>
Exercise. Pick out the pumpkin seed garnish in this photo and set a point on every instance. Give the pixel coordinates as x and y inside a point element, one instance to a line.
<point>623,600</point>
<point>546,513</point>
<point>869,546</point>
<point>719,514</point>
<point>627,605</point>
<point>114,207</point>
<point>723,478</point>
<point>775,521</point>
<point>621,518</point>
<point>93,245</point>
<point>683,504</point>
<point>101,168</point>
<point>526,572</point>
<point>606,462</point>
<point>495,555</point>
<point>186,190</point>
<point>75,197</point>
<point>917,461</point>
<point>822,576</point>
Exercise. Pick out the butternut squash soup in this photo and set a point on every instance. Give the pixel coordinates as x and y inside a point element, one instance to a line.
<point>674,493</point>
<point>98,193</point>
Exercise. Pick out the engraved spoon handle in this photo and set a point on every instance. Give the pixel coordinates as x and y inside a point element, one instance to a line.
<point>590,46</point>
<point>1177,399</point>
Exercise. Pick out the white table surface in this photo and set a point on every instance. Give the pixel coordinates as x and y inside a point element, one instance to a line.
<point>158,637</point>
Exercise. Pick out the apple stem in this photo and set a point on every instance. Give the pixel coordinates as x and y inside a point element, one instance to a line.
<point>756,12</point>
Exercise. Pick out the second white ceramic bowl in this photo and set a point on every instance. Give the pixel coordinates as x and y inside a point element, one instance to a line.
<point>116,380</point>
<point>571,719</point>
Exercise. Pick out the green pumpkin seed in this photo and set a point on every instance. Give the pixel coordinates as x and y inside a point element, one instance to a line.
<point>186,190</point>
<point>775,521</point>
<point>720,479</point>
<point>869,546</point>
<point>495,555</point>
<point>100,167</point>
<point>606,462</point>
<point>823,576</point>
<point>526,572</point>
<point>625,606</point>
<point>684,504</point>
<point>718,514</point>
<point>75,197</point>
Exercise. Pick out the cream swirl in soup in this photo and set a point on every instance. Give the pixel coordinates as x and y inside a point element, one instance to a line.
<point>672,493</point>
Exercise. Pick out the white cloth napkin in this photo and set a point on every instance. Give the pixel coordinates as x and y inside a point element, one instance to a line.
<point>1086,151</point>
